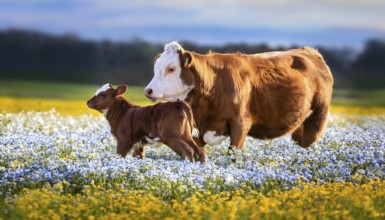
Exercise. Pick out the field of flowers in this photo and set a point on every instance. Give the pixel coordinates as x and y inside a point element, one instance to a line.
<point>59,166</point>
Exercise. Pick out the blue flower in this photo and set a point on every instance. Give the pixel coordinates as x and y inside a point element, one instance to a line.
<point>41,147</point>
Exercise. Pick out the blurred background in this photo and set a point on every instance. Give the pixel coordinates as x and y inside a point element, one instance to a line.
<point>65,49</point>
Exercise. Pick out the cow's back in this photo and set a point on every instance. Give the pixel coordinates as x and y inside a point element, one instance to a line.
<point>288,86</point>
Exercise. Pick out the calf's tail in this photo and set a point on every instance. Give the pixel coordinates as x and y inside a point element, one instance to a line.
<point>188,111</point>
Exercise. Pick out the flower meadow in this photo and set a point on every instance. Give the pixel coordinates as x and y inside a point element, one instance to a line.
<point>55,166</point>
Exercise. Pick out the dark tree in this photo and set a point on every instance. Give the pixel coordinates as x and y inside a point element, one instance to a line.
<point>30,55</point>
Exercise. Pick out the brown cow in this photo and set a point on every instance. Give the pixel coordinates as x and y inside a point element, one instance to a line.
<point>171,123</point>
<point>264,95</point>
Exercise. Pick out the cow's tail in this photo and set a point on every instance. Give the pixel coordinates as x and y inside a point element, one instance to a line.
<point>188,111</point>
<point>330,119</point>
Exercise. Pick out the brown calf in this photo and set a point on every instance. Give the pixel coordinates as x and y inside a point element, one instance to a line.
<point>133,126</point>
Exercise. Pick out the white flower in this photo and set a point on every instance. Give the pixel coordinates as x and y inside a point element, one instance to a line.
<point>50,147</point>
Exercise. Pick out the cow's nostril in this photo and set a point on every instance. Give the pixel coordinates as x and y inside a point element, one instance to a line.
<point>148,91</point>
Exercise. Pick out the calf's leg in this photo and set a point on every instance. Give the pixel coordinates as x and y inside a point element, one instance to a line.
<point>200,151</point>
<point>199,142</point>
<point>181,148</point>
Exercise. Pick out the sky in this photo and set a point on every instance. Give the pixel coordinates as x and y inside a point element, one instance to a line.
<point>335,23</point>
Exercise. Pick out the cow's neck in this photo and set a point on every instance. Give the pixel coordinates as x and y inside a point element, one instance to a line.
<point>203,74</point>
<point>119,108</point>
<point>200,104</point>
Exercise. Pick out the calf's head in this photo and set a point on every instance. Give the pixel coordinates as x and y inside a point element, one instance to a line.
<point>104,97</point>
<point>173,78</point>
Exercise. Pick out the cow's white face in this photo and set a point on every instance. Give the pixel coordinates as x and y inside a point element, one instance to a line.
<point>167,83</point>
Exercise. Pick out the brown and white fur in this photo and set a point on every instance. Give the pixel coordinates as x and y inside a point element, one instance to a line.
<point>133,126</point>
<point>264,95</point>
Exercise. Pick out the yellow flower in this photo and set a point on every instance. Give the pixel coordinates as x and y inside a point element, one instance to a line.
<point>307,201</point>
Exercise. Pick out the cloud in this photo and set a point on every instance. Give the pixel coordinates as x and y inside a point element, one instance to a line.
<point>243,13</point>
<point>101,16</point>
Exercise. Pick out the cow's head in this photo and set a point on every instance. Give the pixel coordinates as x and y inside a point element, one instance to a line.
<point>172,77</point>
<point>104,97</point>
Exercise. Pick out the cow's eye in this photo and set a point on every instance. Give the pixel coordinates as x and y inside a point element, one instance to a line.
<point>103,95</point>
<point>170,69</point>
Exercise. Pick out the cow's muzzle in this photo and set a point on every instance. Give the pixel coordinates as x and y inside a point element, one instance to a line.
<point>148,93</point>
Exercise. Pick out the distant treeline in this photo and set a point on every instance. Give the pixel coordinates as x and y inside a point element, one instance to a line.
<point>29,55</point>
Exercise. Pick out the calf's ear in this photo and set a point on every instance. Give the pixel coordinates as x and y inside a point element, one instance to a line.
<point>187,59</point>
<point>121,90</point>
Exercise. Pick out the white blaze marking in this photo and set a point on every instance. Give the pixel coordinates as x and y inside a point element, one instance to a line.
<point>103,88</point>
<point>210,138</point>
<point>168,86</point>
<point>104,111</point>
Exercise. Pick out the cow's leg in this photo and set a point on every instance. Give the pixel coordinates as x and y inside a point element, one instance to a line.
<point>297,134</point>
<point>314,126</point>
<point>181,148</point>
<point>139,152</point>
<point>122,148</point>
<point>238,132</point>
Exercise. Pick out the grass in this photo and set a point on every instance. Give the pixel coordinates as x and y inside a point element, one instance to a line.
<point>41,90</point>
<point>357,98</point>
<point>17,96</point>
<point>62,91</point>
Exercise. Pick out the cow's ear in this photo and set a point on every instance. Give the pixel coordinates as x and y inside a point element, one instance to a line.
<point>121,90</point>
<point>187,59</point>
<point>156,57</point>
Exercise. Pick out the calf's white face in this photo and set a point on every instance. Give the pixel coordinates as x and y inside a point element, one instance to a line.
<point>167,83</point>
